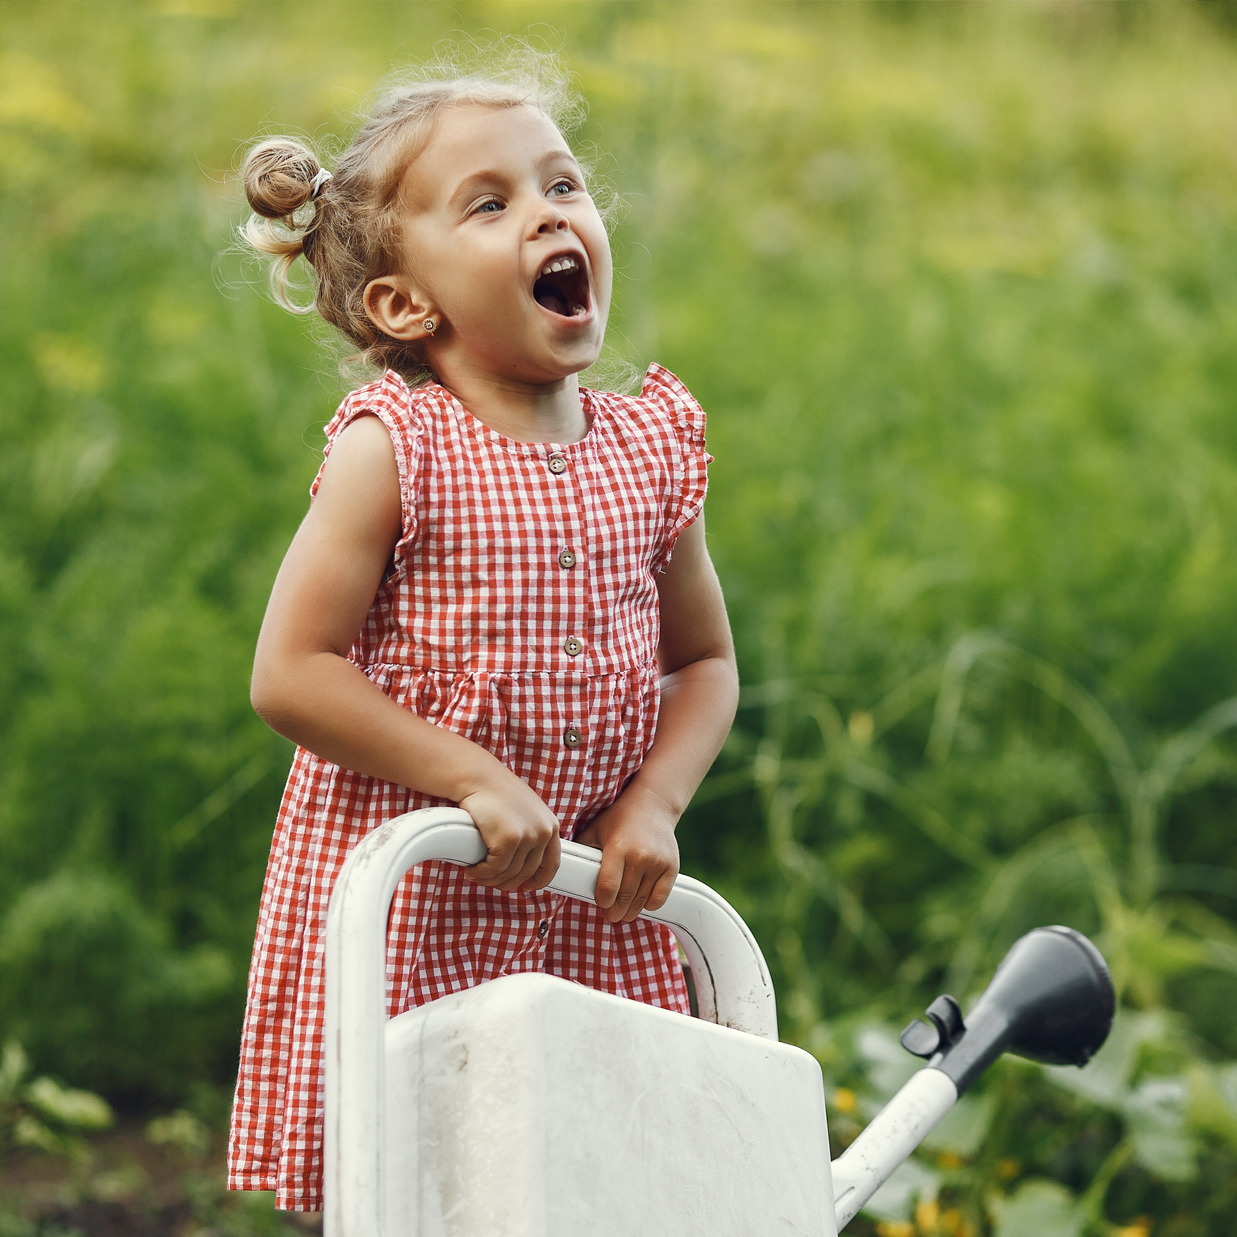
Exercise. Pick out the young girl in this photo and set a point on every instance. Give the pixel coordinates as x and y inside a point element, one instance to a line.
<point>481,607</point>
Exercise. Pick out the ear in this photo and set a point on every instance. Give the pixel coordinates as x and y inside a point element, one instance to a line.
<point>397,308</point>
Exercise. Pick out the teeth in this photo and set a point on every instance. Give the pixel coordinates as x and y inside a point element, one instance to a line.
<point>559,264</point>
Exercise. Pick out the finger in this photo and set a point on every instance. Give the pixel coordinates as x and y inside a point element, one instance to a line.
<point>647,884</point>
<point>523,864</point>
<point>489,871</point>
<point>609,880</point>
<point>485,872</point>
<point>517,876</point>
<point>497,864</point>
<point>550,859</point>
<point>662,889</point>
<point>627,891</point>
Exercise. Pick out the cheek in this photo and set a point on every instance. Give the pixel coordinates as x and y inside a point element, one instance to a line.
<point>605,279</point>
<point>598,245</point>
<point>479,287</point>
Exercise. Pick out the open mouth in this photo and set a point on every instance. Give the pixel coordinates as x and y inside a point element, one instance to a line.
<point>562,287</point>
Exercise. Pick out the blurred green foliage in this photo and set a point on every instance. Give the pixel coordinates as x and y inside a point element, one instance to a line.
<point>958,286</point>
<point>41,1113</point>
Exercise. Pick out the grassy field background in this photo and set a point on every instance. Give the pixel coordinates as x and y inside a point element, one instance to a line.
<point>957,284</point>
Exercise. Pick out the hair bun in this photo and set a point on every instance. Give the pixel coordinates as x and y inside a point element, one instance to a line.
<point>279,177</point>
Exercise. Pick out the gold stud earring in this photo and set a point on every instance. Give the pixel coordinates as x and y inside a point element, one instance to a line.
<point>430,326</point>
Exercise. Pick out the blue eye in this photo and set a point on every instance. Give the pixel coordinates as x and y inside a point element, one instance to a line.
<point>562,188</point>
<point>490,206</point>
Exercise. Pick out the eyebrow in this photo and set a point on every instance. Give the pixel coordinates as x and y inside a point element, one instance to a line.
<point>476,180</point>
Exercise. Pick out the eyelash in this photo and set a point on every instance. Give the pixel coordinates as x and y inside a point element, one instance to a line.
<point>480,208</point>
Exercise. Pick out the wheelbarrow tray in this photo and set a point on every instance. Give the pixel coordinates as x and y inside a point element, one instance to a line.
<point>534,1107</point>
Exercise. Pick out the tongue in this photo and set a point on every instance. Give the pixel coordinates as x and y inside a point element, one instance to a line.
<point>549,297</point>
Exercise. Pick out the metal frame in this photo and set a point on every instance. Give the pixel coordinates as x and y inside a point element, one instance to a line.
<point>733,987</point>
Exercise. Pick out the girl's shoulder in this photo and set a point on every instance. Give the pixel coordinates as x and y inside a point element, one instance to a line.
<point>665,423</point>
<point>388,398</point>
<point>399,408</point>
<point>664,406</point>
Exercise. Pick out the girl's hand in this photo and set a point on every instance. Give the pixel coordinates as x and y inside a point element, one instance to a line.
<point>639,855</point>
<point>520,833</point>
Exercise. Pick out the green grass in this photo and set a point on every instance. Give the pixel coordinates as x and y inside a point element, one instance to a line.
<point>957,285</point>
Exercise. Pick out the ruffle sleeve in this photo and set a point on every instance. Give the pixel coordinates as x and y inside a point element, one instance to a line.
<point>390,400</point>
<point>691,465</point>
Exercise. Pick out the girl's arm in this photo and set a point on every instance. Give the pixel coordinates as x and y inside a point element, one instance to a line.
<point>699,694</point>
<point>305,688</point>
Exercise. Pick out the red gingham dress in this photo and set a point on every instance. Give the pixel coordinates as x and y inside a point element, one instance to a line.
<point>470,629</point>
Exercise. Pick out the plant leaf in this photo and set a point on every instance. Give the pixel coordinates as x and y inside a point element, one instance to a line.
<point>28,1131</point>
<point>179,1129</point>
<point>912,1182</point>
<point>81,1110</point>
<point>1105,1079</point>
<point>1156,1117</point>
<point>964,1126</point>
<point>1038,1209</point>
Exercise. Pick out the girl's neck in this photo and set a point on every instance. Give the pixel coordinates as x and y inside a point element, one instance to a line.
<point>522,411</point>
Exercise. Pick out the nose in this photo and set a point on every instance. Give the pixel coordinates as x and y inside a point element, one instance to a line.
<point>552,220</point>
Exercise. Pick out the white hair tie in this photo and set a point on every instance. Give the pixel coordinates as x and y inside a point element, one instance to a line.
<point>315,185</point>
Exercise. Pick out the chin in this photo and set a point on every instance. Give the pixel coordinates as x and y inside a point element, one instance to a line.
<point>574,357</point>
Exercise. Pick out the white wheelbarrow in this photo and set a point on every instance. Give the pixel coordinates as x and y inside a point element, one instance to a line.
<point>533,1107</point>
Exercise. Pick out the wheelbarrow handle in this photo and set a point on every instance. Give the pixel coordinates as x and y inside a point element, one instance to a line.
<point>733,987</point>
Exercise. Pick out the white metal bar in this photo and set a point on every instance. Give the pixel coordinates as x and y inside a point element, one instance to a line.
<point>356,931</point>
<point>733,987</point>
<point>888,1140</point>
<point>732,983</point>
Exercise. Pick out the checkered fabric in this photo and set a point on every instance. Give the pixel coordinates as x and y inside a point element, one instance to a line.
<point>521,612</point>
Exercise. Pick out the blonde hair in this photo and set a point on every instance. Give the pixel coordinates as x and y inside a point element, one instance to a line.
<point>345,226</point>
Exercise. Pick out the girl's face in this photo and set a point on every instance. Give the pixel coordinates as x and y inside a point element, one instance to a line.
<point>503,246</point>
